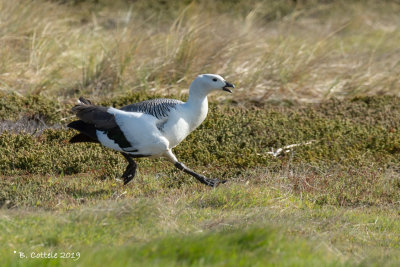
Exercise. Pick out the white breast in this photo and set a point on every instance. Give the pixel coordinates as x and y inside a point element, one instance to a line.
<point>183,120</point>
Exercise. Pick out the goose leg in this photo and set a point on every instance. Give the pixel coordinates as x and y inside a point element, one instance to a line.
<point>202,179</point>
<point>130,171</point>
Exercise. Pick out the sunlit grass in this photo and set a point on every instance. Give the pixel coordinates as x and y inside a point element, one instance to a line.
<point>271,51</point>
<point>191,225</point>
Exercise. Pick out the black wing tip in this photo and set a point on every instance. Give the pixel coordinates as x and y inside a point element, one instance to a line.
<point>85,129</point>
<point>82,138</point>
<point>75,125</point>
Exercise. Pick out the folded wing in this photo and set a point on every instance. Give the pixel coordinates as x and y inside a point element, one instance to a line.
<point>158,108</point>
<point>127,130</point>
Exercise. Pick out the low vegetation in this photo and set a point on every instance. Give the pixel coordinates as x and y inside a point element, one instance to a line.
<point>309,141</point>
<point>342,176</point>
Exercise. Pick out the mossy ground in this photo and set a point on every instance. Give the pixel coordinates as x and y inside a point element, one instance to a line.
<point>336,196</point>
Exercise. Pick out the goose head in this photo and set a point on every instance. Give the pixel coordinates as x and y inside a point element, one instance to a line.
<point>207,83</point>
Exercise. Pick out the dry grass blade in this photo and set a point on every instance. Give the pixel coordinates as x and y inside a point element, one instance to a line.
<point>308,53</point>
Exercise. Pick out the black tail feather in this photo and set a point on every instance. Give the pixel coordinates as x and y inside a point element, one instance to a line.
<point>86,129</point>
<point>82,138</point>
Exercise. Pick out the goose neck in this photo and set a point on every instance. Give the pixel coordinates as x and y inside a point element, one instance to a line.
<point>196,95</point>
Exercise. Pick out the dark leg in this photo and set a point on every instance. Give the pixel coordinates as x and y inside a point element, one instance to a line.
<point>130,169</point>
<point>201,178</point>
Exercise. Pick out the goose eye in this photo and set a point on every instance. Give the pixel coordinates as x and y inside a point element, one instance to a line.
<point>215,79</point>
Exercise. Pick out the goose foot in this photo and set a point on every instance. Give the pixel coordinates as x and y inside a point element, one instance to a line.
<point>202,179</point>
<point>130,170</point>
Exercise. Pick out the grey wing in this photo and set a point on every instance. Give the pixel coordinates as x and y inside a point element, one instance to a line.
<point>158,108</point>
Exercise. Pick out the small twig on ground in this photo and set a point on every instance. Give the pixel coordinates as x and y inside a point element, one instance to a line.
<point>287,149</point>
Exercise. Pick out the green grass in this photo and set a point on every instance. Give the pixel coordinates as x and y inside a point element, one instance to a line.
<point>232,225</point>
<point>351,165</point>
<point>319,74</point>
<point>337,196</point>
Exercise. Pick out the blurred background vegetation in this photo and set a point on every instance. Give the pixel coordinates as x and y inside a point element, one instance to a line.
<point>273,50</point>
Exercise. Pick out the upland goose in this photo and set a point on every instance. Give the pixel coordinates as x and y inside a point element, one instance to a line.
<point>151,128</point>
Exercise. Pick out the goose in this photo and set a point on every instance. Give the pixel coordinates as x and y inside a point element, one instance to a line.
<point>151,128</point>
